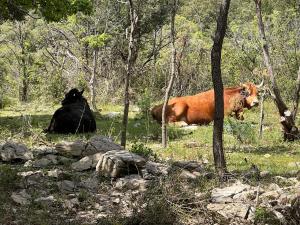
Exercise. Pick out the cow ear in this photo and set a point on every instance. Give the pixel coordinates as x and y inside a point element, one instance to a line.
<point>81,92</point>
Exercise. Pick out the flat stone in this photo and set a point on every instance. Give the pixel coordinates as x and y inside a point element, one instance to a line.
<point>223,195</point>
<point>54,173</point>
<point>21,197</point>
<point>32,177</point>
<point>11,151</point>
<point>46,201</point>
<point>131,182</point>
<point>66,185</point>
<point>233,210</point>
<point>185,174</point>
<point>87,162</point>
<point>157,169</point>
<point>189,165</point>
<point>118,163</point>
<point>112,115</point>
<point>100,144</point>
<point>90,183</point>
<point>41,163</point>
<point>71,148</point>
<point>43,150</point>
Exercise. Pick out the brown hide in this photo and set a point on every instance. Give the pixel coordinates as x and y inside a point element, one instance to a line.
<point>200,108</point>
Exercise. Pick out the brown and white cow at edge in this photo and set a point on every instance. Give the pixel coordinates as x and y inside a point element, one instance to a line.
<point>200,108</point>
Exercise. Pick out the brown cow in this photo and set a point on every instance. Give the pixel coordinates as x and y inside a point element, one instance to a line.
<point>200,108</point>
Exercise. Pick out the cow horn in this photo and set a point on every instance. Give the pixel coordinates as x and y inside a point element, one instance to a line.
<point>260,85</point>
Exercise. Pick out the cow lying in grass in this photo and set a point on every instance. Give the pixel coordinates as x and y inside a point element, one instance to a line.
<point>200,108</point>
<point>74,116</point>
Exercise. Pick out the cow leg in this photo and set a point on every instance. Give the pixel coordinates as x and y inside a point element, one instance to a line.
<point>178,113</point>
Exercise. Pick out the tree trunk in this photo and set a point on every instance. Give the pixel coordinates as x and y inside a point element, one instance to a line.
<point>262,114</point>
<point>172,76</point>
<point>218,152</point>
<point>92,82</point>
<point>290,131</point>
<point>23,91</point>
<point>297,96</point>
<point>131,58</point>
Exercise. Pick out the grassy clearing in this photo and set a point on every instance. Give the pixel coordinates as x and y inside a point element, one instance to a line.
<point>25,123</point>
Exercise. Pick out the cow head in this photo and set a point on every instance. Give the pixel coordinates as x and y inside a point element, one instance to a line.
<point>72,96</point>
<point>250,93</point>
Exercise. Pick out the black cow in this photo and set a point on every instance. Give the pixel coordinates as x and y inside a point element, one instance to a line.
<point>75,115</point>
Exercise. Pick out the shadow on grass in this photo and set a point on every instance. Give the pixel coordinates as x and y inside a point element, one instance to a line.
<point>139,129</point>
<point>262,150</point>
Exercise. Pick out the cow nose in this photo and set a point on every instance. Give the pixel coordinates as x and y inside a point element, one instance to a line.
<point>255,102</point>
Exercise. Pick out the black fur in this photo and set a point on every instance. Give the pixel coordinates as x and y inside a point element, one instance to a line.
<point>75,115</point>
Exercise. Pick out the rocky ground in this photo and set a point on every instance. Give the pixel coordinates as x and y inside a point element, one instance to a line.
<point>98,182</point>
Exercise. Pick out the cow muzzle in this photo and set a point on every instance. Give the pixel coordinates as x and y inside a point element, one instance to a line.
<point>255,102</point>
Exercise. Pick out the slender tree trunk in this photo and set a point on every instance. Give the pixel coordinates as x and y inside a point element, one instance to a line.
<point>290,131</point>
<point>262,114</point>
<point>218,152</point>
<point>23,92</point>
<point>131,58</point>
<point>297,96</point>
<point>92,82</point>
<point>172,75</point>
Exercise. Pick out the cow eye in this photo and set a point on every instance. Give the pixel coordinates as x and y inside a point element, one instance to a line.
<point>245,93</point>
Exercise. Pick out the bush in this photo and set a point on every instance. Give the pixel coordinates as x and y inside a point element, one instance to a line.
<point>144,103</point>
<point>242,131</point>
<point>264,216</point>
<point>142,150</point>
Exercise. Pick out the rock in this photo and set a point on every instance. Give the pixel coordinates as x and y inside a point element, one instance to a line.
<point>90,183</point>
<point>294,164</point>
<point>113,115</point>
<point>233,210</point>
<point>270,195</point>
<point>96,144</point>
<point>21,197</point>
<point>116,201</point>
<point>157,169</point>
<point>132,182</point>
<point>189,128</point>
<point>118,163</point>
<point>28,163</point>
<point>223,195</point>
<point>11,151</point>
<point>83,164</point>
<point>264,173</point>
<point>54,173</point>
<point>41,163</point>
<point>87,162</point>
<point>71,203</point>
<point>31,177</point>
<point>46,201</point>
<point>43,150</point>
<point>185,174</point>
<point>100,144</point>
<point>65,160</point>
<point>66,185</point>
<point>189,165</point>
<point>70,148</point>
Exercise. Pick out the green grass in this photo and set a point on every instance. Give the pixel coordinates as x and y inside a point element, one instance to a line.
<point>25,123</point>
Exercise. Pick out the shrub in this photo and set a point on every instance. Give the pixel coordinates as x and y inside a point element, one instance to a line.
<point>142,150</point>
<point>242,131</point>
<point>144,103</point>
